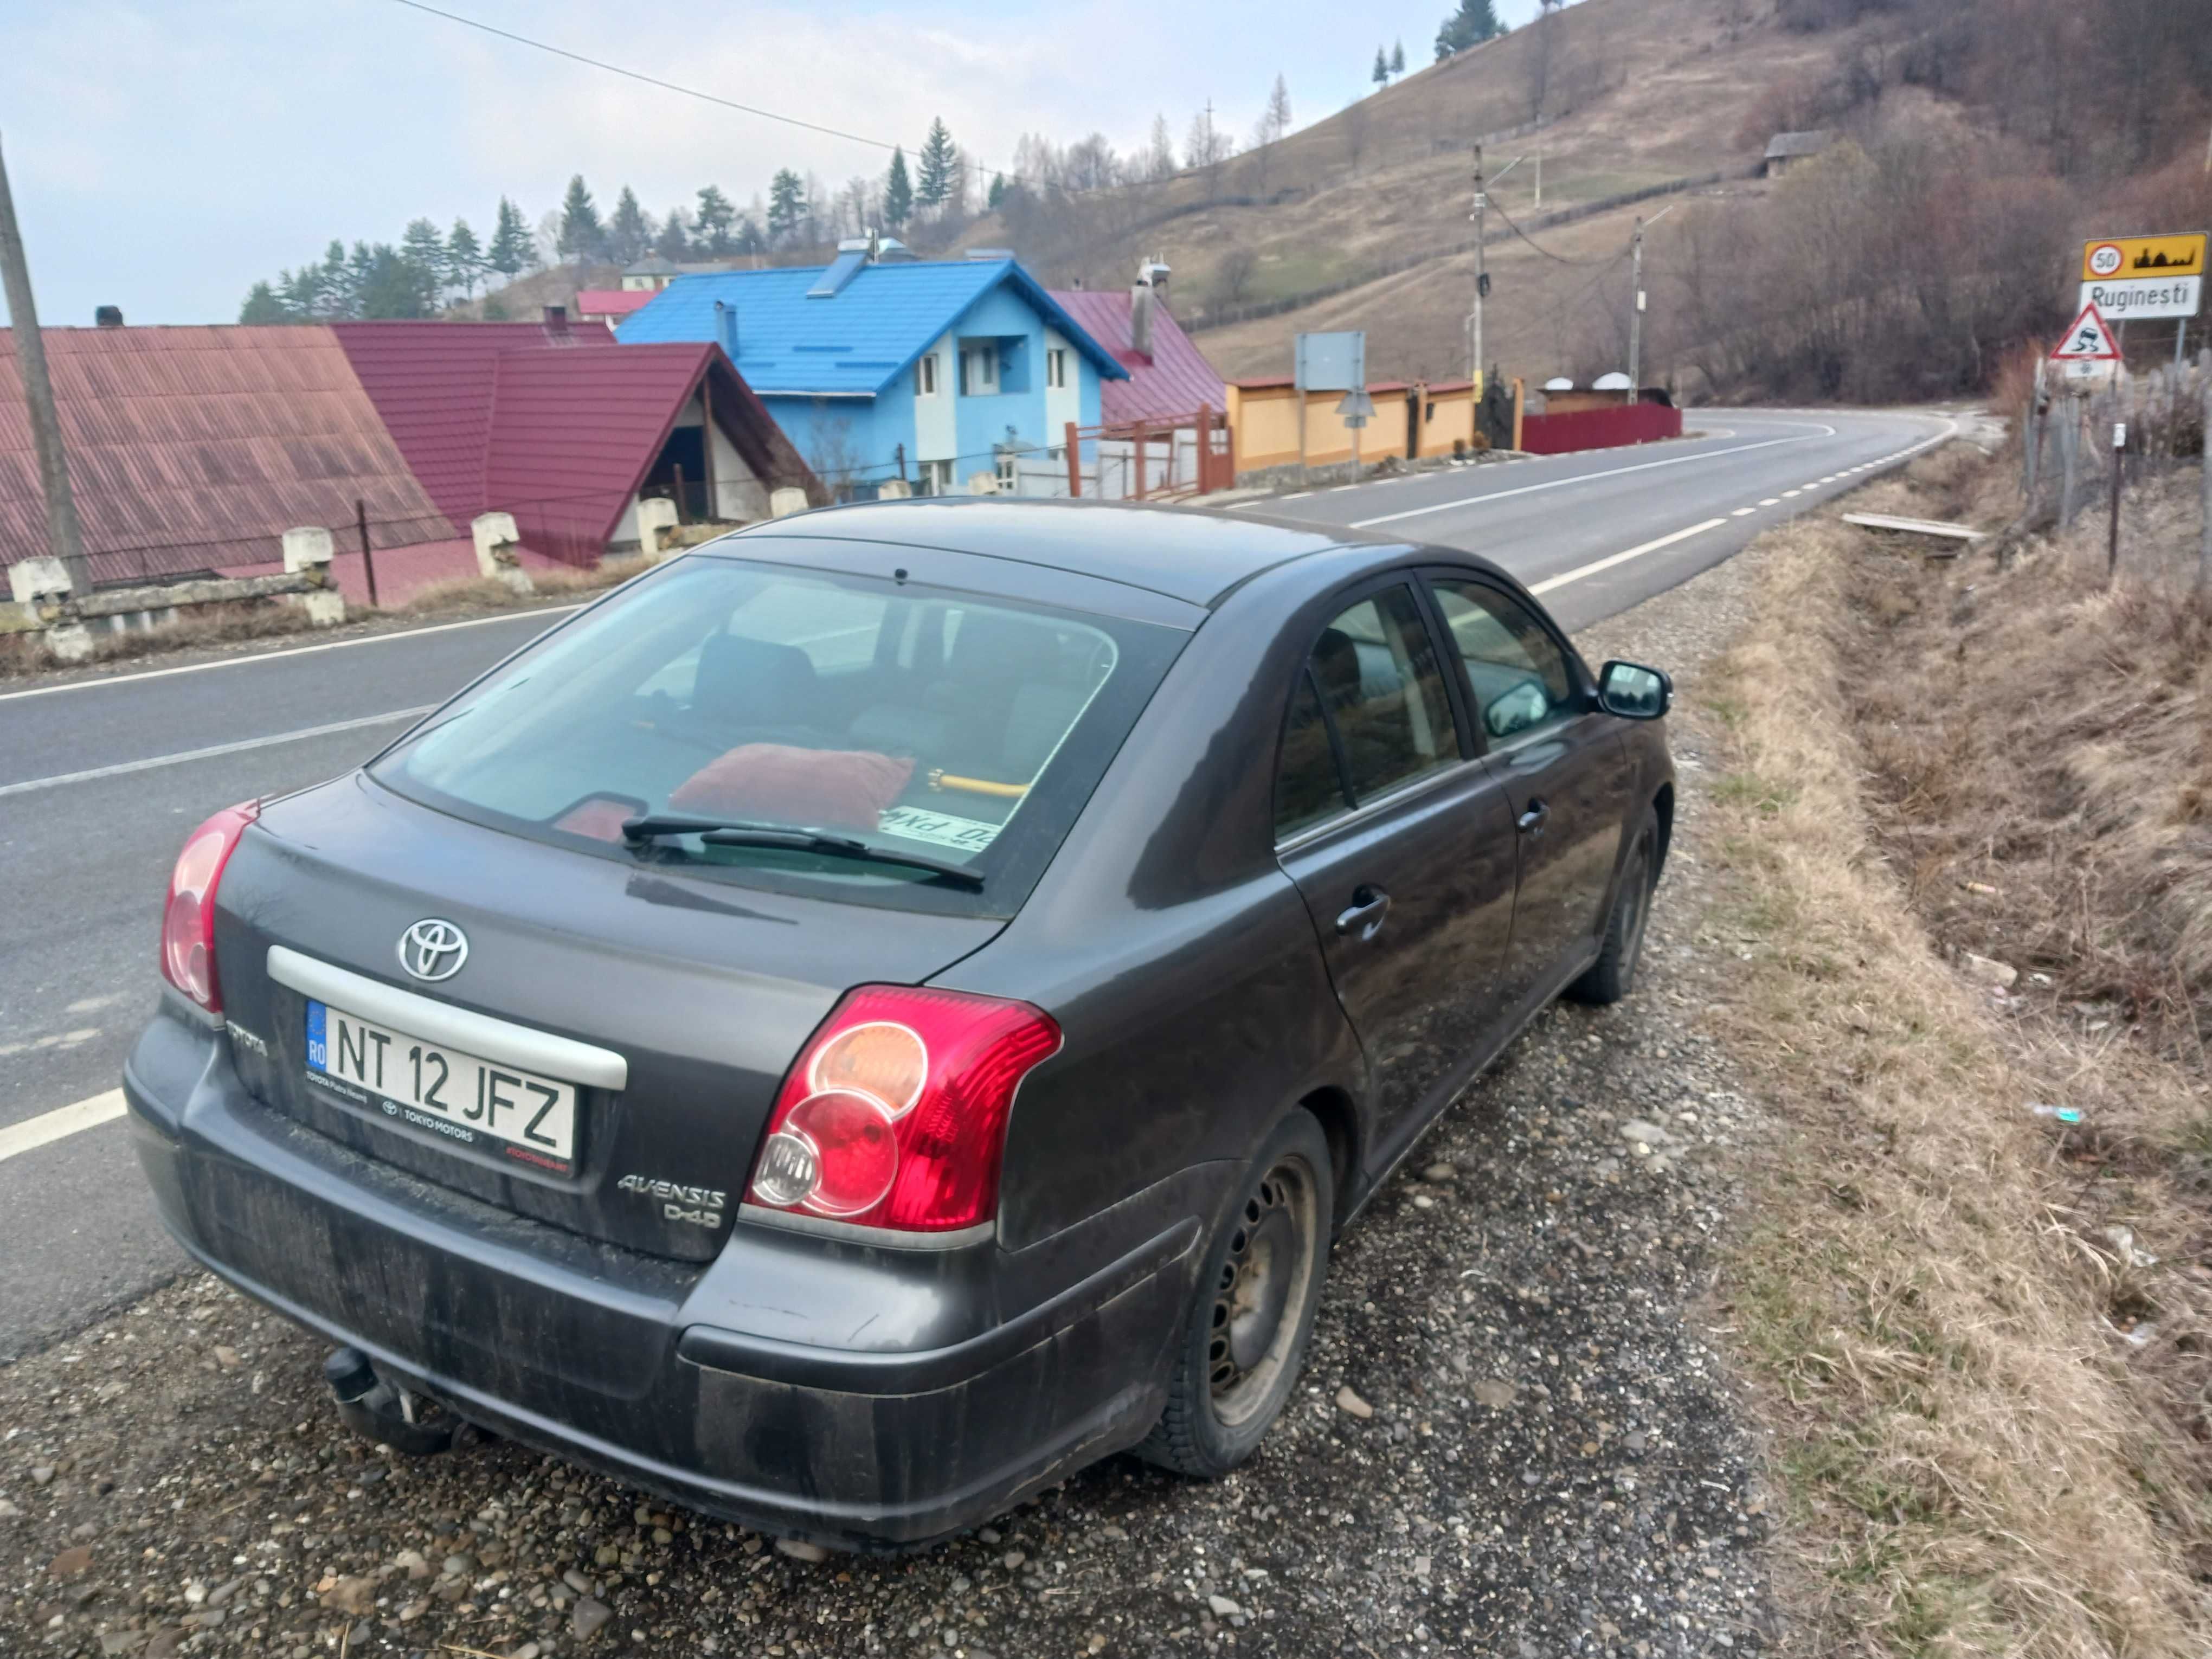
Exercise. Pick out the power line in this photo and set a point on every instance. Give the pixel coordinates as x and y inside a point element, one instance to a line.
<point>1557,258</point>
<point>649,79</point>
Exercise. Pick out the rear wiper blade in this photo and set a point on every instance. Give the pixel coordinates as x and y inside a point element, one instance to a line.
<point>723,832</point>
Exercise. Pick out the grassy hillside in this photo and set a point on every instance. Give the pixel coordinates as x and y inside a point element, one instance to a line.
<point>1630,93</point>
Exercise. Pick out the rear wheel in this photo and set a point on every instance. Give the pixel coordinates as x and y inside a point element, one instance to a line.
<point>1245,1336</point>
<point>1612,975</point>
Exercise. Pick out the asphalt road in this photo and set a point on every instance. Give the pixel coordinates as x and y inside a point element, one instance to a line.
<point>101,780</point>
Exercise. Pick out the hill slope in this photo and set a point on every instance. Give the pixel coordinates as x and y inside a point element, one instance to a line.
<point>1617,96</point>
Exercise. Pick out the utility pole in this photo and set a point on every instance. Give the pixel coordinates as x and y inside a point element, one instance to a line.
<point>1481,284</point>
<point>65,540</point>
<point>1636,311</point>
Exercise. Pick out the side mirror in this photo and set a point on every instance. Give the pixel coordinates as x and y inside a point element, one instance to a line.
<point>1633,691</point>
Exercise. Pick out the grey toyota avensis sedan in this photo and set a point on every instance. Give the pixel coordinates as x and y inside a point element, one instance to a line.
<point>890,1008</point>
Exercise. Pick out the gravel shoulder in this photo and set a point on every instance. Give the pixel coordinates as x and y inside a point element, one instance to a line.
<point>1517,1434</point>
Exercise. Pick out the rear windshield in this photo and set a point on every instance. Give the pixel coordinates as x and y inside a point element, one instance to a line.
<point>886,719</point>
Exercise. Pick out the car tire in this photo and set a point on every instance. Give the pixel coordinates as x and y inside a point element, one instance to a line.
<point>1244,1339</point>
<point>1612,975</point>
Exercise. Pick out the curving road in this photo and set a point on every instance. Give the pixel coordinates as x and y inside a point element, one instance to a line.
<point>100,778</point>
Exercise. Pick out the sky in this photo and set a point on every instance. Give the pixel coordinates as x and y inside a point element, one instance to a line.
<point>164,154</point>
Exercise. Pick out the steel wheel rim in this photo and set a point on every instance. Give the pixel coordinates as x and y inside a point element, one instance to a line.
<point>1262,1291</point>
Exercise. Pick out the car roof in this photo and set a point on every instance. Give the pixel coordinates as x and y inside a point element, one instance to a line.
<point>1198,557</point>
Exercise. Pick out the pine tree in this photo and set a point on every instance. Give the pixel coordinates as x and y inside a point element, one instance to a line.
<point>394,283</point>
<point>1382,74</point>
<point>995,198</point>
<point>898,192</point>
<point>424,247</point>
<point>750,239</point>
<point>630,233</point>
<point>1475,22</point>
<point>939,163</point>
<point>1278,117</point>
<point>715,218</point>
<point>510,241</point>
<point>262,305</point>
<point>1397,57</point>
<point>464,257</point>
<point>787,204</point>
<point>674,242</point>
<point>581,235</point>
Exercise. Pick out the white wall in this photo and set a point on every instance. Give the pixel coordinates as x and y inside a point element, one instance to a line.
<point>738,491</point>
<point>936,420</point>
<point>1062,403</point>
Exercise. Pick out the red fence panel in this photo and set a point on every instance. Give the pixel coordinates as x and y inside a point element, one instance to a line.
<point>1599,429</point>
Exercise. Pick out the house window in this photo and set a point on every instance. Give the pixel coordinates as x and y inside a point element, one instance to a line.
<point>925,375</point>
<point>936,478</point>
<point>1007,478</point>
<point>979,369</point>
<point>1055,367</point>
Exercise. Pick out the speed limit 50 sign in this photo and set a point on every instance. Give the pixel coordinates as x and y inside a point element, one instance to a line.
<point>2126,276</point>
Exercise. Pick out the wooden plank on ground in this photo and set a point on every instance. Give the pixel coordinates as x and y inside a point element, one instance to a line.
<point>1957,532</point>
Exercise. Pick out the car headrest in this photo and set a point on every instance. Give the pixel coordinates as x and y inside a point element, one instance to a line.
<point>753,682</point>
<point>1336,666</point>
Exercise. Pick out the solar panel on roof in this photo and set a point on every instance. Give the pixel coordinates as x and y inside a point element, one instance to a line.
<point>842,269</point>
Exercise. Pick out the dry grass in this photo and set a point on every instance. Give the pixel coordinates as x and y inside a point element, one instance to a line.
<point>1977,1460</point>
<point>488,593</point>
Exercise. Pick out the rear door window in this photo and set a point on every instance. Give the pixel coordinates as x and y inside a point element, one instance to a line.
<point>768,698</point>
<point>1369,714</point>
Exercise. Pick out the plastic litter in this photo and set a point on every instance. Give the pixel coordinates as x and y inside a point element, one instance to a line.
<point>2062,1114</point>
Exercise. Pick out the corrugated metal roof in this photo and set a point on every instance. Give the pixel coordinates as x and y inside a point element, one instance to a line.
<point>432,383</point>
<point>1176,380</point>
<point>611,301</point>
<point>855,344</point>
<point>1785,145</point>
<point>194,447</point>
<point>572,436</point>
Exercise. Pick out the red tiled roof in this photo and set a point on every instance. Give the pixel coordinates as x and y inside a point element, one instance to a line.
<point>432,383</point>
<point>615,302</point>
<point>1176,379</point>
<point>191,448</point>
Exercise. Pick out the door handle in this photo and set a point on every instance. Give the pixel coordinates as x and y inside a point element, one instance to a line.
<point>1369,905</point>
<point>1531,822</point>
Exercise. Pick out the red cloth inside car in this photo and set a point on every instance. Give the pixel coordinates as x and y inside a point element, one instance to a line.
<point>776,783</point>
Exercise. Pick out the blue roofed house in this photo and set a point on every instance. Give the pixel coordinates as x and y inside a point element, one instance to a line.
<point>880,366</point>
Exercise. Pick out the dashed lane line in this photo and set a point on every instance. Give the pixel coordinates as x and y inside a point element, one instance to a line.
<point>59,1124</point>
<point>1588,477</point>
<point>30,786</point>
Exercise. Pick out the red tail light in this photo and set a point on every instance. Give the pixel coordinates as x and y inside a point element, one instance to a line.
<point>188,919</point>
<point>896,1114</point>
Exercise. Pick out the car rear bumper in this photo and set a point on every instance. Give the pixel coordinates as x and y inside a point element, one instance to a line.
<point>596,1353</point>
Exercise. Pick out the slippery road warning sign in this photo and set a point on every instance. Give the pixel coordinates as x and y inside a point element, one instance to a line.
<point>2087,349</point>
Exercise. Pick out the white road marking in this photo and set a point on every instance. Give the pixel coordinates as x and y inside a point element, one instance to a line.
<point>1787,494</point>
<point>1340,488</point>
<point>57,781</point>
<point>1611,560</point>
<point>1586,477</point>
<point>1298,495</point>
<point>59,1124</point>
<point>1772,500</point>
<point>1743,512</point>
<point>293,651</point>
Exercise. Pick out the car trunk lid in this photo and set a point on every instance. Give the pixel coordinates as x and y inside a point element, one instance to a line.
<point>704,990</point>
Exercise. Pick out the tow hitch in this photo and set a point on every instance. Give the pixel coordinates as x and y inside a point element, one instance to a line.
<point>382,1411</point>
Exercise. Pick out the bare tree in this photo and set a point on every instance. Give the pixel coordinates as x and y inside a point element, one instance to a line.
<point>1159,154</point>
<point>1233,280</point>
<point>1536,57</point>
<point>1353,123</point>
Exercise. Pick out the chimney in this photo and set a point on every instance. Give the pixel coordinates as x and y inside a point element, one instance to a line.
<point>108,317</point>
<point>556,318</point>
<point>725,328</point>
<point>1140,312</point>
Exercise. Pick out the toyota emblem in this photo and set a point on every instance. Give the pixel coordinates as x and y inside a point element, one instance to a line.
<point>432,950</point>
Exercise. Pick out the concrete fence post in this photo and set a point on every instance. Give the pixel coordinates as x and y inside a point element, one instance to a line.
<point>656,520</point>
<point>308,551</point>
<point>42,589</point>
<point>498,545</point>
<point>785,500</point>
